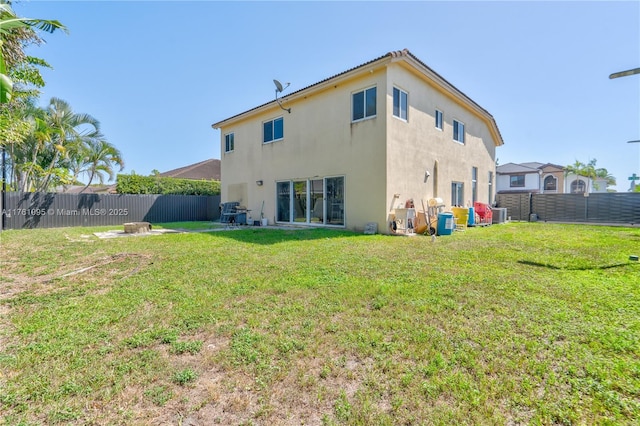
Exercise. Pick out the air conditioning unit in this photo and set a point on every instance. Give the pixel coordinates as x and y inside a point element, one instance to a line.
<point>499,214</point>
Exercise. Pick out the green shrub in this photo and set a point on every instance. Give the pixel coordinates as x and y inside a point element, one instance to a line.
<point>137,184</point>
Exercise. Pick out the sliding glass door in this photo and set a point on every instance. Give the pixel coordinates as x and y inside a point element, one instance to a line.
<point>316,196</point>
<point>335,200</point>
<point>283,201</point>
<point>311,201</point>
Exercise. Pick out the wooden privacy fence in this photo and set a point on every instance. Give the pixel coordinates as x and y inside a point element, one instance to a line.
<point>53,210</point>
<point>611,207</point>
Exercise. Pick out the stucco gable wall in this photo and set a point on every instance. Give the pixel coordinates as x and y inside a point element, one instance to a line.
<point>416,145</point>
<point>319,141</point>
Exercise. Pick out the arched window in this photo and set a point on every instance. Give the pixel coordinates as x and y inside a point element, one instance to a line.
<point>578,186</point>
<point>550,183</point>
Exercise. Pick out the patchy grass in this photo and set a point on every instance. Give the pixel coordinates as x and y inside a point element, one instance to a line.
<point>509,324</point>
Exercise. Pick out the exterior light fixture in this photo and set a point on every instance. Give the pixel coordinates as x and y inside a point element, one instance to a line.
<point>259,182</point>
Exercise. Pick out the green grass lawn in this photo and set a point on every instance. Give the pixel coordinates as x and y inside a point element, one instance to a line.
<point>522,323</point>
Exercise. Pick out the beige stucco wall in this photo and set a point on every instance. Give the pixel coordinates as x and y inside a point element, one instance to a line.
<point>319,141</point>
<point>378,157</point>
<point>415,145</point>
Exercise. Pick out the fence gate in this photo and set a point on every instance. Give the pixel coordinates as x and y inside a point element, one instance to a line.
<point>518,205</point>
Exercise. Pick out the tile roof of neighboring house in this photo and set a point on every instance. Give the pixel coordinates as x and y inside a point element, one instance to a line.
<point>533,165</point>
<point>515,168</point>
<point>204,170</point>
<point>405,53</point>
<point>529,167</point>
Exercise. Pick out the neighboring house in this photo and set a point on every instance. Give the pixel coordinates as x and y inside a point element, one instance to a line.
<point>577,184</point>
<point>204,170</point>
<point>543,178</point>
<point>530,177</point>
<point>359,144</point>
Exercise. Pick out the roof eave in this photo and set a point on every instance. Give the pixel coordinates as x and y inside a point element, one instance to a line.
<point>403,55</point>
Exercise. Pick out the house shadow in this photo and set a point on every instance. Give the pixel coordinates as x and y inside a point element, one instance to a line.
<point>268,236</point>
<point>271,235</point>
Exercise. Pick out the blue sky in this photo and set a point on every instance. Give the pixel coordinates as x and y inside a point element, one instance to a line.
<point>157,74</point>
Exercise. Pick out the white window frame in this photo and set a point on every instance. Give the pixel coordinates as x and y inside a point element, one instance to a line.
<point>439,116</point>
<point>273,122</point>
<point>229,140</point>
<point>457,194</point>
<point>490,178</point>
<point>406,100</point>
<point>336,210</point>
<point>474,184</point>
<point>457,135</point>
<point>364,92</point>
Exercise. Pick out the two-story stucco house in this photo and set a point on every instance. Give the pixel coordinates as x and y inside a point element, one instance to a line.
<point>359,144</point>
<point>543,178</point>
<point>530,177</point>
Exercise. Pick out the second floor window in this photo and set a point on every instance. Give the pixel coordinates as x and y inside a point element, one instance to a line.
<point>272,130</point>
<point>399,103</point>
<point>516,181</point>
<point>438,119</point>
<point>363,104</point>
<point>458,131</point>
<point>228,142</point>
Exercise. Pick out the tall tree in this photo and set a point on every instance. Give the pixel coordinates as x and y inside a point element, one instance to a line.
<point>58,138</point>
<point>604,174</point>
<point>99,159</point>
<point>70,132</point>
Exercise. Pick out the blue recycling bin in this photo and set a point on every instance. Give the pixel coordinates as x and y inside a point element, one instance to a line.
<point>445,223</point>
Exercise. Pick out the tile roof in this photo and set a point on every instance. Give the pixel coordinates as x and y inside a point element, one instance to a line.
<point>515,168</point>
<point>204,170</point>
<point>394,54</point>
<point>530,167</point>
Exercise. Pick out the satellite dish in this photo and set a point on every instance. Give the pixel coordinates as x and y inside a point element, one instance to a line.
<point>279,89</point>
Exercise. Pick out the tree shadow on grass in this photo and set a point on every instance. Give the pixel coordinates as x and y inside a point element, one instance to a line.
<point>572,268</point>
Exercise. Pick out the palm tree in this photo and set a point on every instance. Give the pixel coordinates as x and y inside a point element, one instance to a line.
<point>604,174</point>
<point>580,169</point>
<point>60,146</point>
<point>14,31</point>
<point>70,132</point>
<point>100,157</point>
